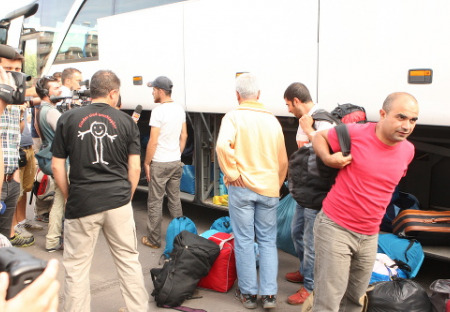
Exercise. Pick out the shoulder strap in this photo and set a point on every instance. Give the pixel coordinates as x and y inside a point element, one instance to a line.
<point>344,139</point>
<point>44,128</point>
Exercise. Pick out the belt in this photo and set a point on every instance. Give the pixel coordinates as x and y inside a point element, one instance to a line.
<point>8,177</point>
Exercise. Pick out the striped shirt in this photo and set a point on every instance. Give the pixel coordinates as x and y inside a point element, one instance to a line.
<point>10,136</point>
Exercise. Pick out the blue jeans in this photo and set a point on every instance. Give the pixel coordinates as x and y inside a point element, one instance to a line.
<point>10,195</point>
<point>302,231</point>
<point>253,214</point>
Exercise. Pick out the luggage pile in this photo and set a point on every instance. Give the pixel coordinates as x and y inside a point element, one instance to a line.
<point>191,261</point>
<point>400,256</point>
<point>404,218</point>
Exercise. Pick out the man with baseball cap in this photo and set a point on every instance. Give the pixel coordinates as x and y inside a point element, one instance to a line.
<point>163,166</point>
<point>161,82</point>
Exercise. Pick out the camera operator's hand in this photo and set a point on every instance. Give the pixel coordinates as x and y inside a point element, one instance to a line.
<point>39,296</point>
<point>7,86</point>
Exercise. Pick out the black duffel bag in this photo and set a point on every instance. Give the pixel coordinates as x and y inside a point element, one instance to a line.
<point>398,295</point>
<point>191,259</point>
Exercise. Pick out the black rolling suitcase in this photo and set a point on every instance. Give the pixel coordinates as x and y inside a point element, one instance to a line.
<point>428,227</point>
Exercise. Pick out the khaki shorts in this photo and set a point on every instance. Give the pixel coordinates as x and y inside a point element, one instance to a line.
<point>28,173</point>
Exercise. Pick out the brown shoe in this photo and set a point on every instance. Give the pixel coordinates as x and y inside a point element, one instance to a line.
<point>299,297</point>
<point>146,242</point>
<point>294,277</point>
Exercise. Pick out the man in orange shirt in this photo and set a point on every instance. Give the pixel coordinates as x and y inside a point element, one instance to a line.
<point>252,155</point>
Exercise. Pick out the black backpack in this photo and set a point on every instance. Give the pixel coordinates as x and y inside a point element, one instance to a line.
<point>309,179</point>
<point>190,260</point>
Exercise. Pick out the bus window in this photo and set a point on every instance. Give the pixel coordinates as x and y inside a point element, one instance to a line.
<point>31,60</point>
<point>42,28</point>
<point>81,42</point>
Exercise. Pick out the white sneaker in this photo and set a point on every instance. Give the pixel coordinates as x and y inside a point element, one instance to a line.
<point>28,224</point>
<point>20,230</point>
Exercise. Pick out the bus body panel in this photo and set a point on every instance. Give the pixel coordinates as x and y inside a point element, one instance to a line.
<point>367,48</point>
<point>156,51</point>
<point>355,52</point>
<point>201,45</point>
<point>267,38</point>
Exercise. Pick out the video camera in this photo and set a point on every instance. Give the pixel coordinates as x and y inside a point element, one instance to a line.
<point>7,93</point>
<point>22,268</point>
<point>79,98</point>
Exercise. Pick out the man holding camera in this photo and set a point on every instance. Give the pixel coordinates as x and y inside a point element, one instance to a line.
<point>10,134</point>
<point>47,117</point>
<point>41,295</point>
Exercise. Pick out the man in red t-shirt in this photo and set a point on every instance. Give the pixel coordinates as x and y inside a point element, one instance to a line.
<point>346,230</point>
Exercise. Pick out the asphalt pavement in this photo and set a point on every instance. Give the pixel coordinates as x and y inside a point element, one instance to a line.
<point>105,292</point>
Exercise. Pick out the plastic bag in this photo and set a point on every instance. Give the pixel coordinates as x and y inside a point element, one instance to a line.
<point>399,295</point>
<point>285,213</point>
<point>440,295</point>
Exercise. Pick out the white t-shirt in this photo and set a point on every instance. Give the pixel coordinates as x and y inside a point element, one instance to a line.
<point>302,138</point>
<point>169,117</point>
<point>65,91</point>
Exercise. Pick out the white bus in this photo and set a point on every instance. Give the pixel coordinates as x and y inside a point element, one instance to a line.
<point>343,50</point>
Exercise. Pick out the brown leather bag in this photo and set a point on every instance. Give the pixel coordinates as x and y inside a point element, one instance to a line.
<point>427,226</point>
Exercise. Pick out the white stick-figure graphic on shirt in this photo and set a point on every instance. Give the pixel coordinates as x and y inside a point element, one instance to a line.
<point>98,130</point>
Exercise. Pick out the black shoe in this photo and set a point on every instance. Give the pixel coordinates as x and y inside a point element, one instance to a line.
<point>269,302</point>
<point>60,246</point>
<point>248,301</point>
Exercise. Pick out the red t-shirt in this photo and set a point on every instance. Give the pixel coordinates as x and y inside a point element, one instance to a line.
<point>363,189</point>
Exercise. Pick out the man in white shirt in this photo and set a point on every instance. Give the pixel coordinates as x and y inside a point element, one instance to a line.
<point>70,80</point>
<point>163,166</point>
<point>299,103</point>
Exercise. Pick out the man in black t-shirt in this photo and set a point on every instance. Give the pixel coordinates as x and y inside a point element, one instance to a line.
<point>103,147</point>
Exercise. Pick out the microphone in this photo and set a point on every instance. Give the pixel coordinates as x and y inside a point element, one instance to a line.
<point>137,113</point>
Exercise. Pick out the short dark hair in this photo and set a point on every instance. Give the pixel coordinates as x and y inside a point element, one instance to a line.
<point>42,85</point>
<point>166,92</point>
<point>68,73</point>
<point>57,75</point>
<point>103,82</point>
<point>297,90</point>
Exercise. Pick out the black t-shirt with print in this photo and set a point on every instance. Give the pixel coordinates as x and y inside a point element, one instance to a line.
<point>97,138</point>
